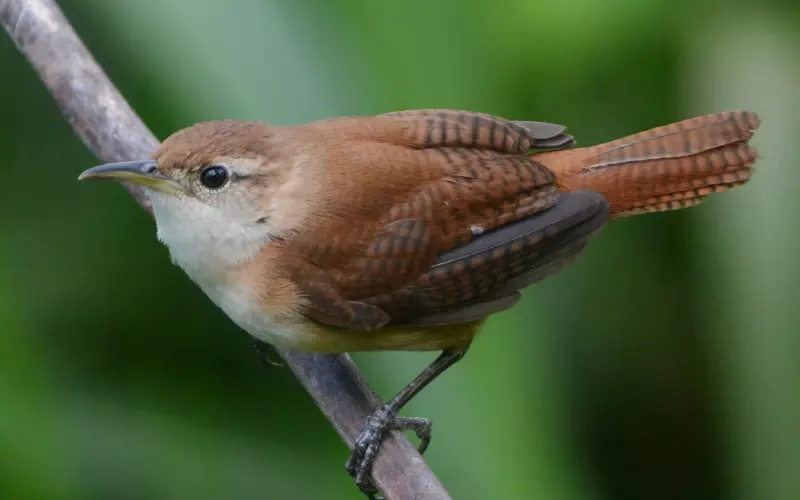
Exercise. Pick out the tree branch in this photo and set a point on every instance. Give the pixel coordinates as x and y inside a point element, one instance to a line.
<point>109,127</point>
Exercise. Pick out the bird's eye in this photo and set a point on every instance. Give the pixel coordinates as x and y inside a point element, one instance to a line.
<point>214,177</point>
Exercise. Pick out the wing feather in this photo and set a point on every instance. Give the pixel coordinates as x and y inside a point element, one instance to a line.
<point>402,266</point>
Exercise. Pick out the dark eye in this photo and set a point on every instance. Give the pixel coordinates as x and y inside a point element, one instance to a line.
<point>214,177</point>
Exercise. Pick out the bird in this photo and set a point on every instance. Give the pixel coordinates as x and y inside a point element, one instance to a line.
<point>405,231</point>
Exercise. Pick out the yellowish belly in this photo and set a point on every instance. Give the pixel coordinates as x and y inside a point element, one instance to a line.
<point>314,337</point>
<point>294,331</point>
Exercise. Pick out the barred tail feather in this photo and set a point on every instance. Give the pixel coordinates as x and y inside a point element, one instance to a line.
<point>665,168</point>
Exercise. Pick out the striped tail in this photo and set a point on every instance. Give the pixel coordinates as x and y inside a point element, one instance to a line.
<point>665,168</point>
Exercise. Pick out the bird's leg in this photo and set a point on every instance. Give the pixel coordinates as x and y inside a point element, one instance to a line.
<point>385,419</point>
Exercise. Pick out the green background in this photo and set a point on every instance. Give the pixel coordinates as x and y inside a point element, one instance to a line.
<point>661,365</point>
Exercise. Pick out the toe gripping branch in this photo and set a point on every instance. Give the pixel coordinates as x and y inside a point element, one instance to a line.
<point>385,419</point>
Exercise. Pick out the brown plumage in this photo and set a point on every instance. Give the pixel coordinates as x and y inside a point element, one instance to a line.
<point>450,177</point>
<point>410,222</point>
<point>665,168</point>
<point>369,211</point>
<point>474,170</point>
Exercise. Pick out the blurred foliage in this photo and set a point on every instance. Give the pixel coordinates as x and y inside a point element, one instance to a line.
<point>661,365</point>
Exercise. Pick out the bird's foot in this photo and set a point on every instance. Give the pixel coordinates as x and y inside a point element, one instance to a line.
<point>368,443</point>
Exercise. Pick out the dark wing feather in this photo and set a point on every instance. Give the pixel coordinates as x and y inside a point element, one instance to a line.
<point>482,277</point>
<point>548,136</point>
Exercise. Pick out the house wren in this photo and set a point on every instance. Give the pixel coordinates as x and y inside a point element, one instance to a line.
<point>405,231</point>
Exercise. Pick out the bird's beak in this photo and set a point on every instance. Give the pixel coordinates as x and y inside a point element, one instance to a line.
<point>143,173</point>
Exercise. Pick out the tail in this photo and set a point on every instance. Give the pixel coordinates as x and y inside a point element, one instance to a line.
<point>665,168</point>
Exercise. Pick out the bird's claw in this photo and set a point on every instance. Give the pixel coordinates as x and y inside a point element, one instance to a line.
<point>366,447</point>
<point>267,353</point>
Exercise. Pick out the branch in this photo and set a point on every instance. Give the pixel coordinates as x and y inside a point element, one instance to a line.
<point>109,127</point>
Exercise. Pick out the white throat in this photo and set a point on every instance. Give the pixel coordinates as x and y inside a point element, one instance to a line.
<point>203,241</point>
<point>208,245</point>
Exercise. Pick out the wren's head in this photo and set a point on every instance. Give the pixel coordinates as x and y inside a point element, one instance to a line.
<point>216,189</point>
